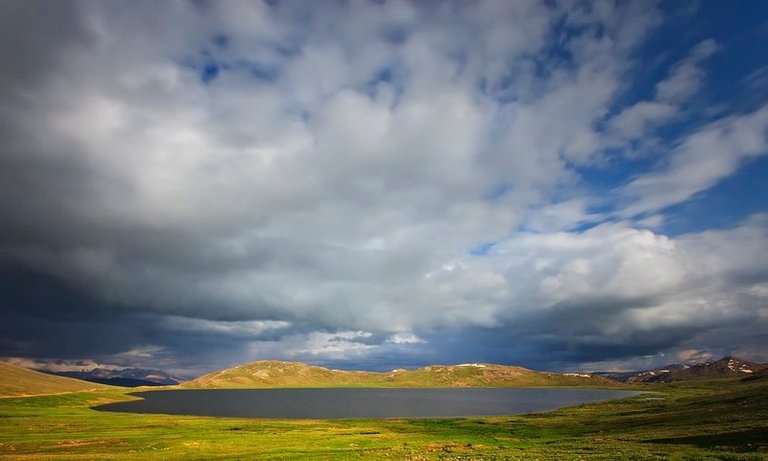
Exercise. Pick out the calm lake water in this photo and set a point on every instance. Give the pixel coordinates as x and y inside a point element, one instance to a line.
<point>359,403</point>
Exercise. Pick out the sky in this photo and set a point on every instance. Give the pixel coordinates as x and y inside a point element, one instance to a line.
<point>561,185</point>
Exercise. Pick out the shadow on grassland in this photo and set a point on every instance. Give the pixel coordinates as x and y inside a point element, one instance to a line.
<point>747,440</point>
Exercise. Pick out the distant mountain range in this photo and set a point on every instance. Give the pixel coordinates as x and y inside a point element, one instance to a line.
<point>126,377</point>
<point>725,367</point>
<point>270,373</point>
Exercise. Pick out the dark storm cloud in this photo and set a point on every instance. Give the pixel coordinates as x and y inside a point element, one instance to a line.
<point>44,317</point>
<point>47,318</point>
<point>33,37</point>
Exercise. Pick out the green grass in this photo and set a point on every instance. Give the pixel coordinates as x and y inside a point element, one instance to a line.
<point>702,420</point>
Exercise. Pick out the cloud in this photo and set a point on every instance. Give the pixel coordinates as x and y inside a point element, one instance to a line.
<point>618,286</point>
<point>245,328</point>
<point>309,182</point>
<point>713,152</point>
<point>636,121</point>
<point>405,338</point>
<point>57,365</point>
<point>687,76</point>
<point>609,261</point>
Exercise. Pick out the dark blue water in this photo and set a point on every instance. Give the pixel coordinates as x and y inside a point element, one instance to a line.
<point>359,403</point>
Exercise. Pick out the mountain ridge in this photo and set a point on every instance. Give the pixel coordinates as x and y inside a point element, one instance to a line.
<point>727,366</point>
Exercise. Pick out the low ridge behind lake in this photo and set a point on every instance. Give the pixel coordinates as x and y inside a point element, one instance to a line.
<point>271,374</point>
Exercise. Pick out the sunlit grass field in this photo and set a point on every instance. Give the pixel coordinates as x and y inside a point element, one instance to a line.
<point>723,419</point>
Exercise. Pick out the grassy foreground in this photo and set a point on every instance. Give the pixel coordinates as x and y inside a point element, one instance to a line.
<point>703,420</point>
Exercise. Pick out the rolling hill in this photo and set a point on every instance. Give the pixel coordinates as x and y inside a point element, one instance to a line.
<point>21,382</point>
<point>270,374</point>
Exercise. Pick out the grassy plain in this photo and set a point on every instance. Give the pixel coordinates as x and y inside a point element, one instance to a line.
<point>701,420</point>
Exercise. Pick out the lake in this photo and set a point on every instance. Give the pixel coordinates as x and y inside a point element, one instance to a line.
<point>359,403</point>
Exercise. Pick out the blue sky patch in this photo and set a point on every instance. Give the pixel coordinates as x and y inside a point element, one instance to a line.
<point>209,72</point>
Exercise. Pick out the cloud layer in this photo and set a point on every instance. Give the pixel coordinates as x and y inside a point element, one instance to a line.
<point>375,183</point>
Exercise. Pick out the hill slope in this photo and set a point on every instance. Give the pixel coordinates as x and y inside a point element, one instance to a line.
<point>271,373</point>
<point>268,373</point>
<point>19,382</point>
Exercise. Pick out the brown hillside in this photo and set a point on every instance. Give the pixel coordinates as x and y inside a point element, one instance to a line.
<point>20,382</point>
<point>268,374</point>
